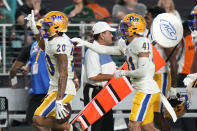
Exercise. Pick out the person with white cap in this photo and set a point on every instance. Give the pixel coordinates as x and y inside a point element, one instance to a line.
<point>99,69</point>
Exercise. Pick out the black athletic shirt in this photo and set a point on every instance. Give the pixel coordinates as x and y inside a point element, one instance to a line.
<point>24,54</point>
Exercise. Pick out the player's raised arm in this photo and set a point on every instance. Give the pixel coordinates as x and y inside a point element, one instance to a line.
<point>31,23</point>
<point>35,28</point>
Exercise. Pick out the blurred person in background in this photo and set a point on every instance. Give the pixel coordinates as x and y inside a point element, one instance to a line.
<point>5,17</point>
<point>190,79</point>
<point>22,12</point>
<point>166,76</point>
<point>124,7</point>
<point>169,7</point>
<point>0,57</point>
<point>29,5</point>
<point>39,76</point>
<point>101,13</point>
<point>39,80</point>
<point>185,55</point>
<point>20,61</point>
<point>78,13</point>
<point>13,5</point>
<point>193,26</point>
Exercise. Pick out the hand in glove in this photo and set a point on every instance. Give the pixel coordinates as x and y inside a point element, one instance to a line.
<point>189,80</point>
<point>189,92</point>
<point>119,73</point>
<point>60,111</point>
<point>31,23</point>
<point>172,93</point>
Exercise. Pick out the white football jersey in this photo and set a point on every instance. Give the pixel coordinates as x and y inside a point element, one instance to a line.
<point>60,45</point>
<point>140,45</point>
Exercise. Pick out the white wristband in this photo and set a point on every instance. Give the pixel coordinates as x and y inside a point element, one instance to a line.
<point>76,80</point>
<point>35,31</point>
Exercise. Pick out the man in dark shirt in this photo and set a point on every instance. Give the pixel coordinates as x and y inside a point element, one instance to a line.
<point>39,80</point>
<point>20,61</point>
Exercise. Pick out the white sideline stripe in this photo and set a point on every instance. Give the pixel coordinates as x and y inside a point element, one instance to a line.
<point>112,94</point>
<point>97,108</point>
<point>83,122</point>
<point>48,106</point>
<point>147,107</point>
<point>140,107</point>
<point>128,83</point>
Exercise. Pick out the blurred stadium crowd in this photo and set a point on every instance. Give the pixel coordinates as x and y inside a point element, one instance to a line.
<point>78,11</point>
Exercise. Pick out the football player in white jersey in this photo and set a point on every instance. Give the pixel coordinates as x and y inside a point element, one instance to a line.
<point>53,112</point>
<point>191,78</point>
<point>193,27</point>
<point>137,51</point>
<point>166,76</point>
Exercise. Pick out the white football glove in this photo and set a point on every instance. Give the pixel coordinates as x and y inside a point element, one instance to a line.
<point>172,93</point>
<point>119,73</point>
<point>31,23</point>
<point>189,80</point>
<point>60,111</point>
<point>79,42</point>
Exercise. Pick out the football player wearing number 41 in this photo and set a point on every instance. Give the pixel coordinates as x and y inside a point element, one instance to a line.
<point>137,51</point>
<point>54,111</point>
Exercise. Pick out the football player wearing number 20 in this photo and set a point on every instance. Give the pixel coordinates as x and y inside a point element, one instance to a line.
<point>54,110</point>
